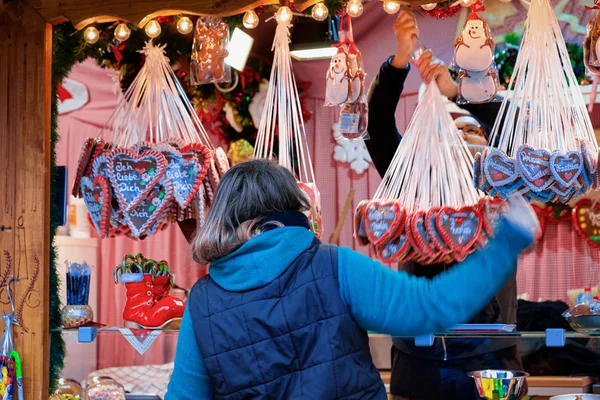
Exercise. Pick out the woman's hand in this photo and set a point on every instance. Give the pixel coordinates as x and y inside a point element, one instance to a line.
<point>430,69</point>
<point>406,31</point>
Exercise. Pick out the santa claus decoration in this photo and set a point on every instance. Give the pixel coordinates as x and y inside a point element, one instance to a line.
<point>474,56</point>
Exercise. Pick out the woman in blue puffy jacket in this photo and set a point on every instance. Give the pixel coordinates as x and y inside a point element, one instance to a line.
<point>283,316</point>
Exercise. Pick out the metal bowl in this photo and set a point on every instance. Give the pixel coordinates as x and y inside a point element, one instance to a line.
<point>498,384</point>
<point>582,396</point>
<point>585,323</point>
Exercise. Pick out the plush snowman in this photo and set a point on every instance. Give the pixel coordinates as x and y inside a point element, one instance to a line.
<point>474,49</point>
<point>337,89</point>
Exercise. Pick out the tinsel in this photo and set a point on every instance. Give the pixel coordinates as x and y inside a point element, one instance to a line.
<point>442,11</point>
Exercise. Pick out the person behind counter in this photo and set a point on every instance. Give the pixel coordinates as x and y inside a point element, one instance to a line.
<point>440,371</point>
<point>283,316</point>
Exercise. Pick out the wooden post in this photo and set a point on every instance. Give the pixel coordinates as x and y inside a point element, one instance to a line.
<point>25,95</point>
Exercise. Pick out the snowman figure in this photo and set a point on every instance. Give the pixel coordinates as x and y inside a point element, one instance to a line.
<point>474,55</point>
<point>337,89</point>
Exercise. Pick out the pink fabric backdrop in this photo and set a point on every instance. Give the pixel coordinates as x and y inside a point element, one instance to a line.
<point>548,273</point>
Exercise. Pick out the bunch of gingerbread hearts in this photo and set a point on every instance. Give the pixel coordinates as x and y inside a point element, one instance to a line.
<point>537,174</point>
<point>436,235</point>
<point>139,190</point>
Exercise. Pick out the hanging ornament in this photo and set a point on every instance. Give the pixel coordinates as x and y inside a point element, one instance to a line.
<point>355,8</point>
<point>546,146</point>
<point>467,3</point>
<point>391,7</point>
<point>284,15</point>
<point>429,7</point>
<point>122,32</point>
<point>185,25</point>
<point>152,29</point>
<point>320,12</point>
<point>250,19</point>
<point>209,51</point>
<point>91,35</point>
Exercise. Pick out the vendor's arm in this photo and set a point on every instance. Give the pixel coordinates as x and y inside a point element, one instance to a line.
<point>385,92</point>
<point>394,303</point>
<point>190,379</point>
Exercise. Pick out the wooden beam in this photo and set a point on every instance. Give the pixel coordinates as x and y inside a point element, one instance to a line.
<point>138,12</point>
<point>25,87</point>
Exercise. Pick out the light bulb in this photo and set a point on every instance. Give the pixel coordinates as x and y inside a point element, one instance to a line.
<point>185,25</point>
<point>429,7</point>
<point>505,1</point>
<point>250,19</point>
<point>320,12</point>
<point>391,7</point>
<point>153,28</point>
<point>284,14</point>
<point>467,3</point>
<point>122,32</point>
<point>355,8</point>
<point>91,35</point>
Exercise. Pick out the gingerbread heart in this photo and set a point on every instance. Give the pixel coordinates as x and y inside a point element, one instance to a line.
<point>359,223</point>
<point>141,147</point>
<point>221,161</point>
<point>143,216</point>
<point>476,170</point>
<point>395,250</point>
<point>589,161</point>
<point>383,220</point>
<point>100,166</point>
<point>460,228</point>
<point>421,240</point>
<point>85,157</point>
<point>97,196</point>
<point>566,168</point>
<point>586,217</point>
<point>186,174</point>
<point>431,225</point>
<point>175,142</point>
<point>133,176</point>
<point>534,164</point>
<point>499,169</point>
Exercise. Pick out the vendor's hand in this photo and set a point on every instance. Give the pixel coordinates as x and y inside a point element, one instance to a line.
<point>406,31</point>
<point>430,69</point>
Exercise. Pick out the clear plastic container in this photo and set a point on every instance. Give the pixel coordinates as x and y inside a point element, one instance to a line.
<point>68,389</point>
<point>586,297</point>
<point>104,388</point>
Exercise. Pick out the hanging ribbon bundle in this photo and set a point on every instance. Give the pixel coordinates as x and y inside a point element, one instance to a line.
<point>158,166</point>
<point>282,117</point>
<point>547,146</point>
<point>346,85</point>
<point>426,208</point>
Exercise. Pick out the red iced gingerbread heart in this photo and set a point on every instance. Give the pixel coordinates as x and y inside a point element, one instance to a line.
<point>420,238</point>
<point>142,218</point>
<point>395,250</point>
<point>383,220</point>
<point>460,228</point>
<point>186,173</point>
<point>586,217</point>
<point>88,150</point>
<point>359,223</point>
<point>97,197</point>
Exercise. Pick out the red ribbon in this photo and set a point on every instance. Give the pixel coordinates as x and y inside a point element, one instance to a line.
<point>117,52</point>
<point>479,7</point>
<point>596,6</point>
<point>347,37</point>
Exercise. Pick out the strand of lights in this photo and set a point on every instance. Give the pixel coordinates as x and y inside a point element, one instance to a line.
<point>320,12</point>
<point>185,25</point>
<point>250,19</point>
<point>391,7</point>
<point>355,8</point>
<point>152,29</point>
<point>284,14</point>
<point>91,35</point>
<point>122,32</point>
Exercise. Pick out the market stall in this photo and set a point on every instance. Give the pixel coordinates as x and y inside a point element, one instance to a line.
<point>210,115</point>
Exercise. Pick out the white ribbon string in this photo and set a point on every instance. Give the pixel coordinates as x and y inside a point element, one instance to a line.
<point>282,114</point>
<point>547,110</point>
<point>433,166</point>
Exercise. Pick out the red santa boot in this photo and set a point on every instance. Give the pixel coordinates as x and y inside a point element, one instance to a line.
<point>149,305</point>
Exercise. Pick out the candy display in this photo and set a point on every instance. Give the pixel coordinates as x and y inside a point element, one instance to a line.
<point>282,116</point>
<point>346,85</point>
<point>209,52</point>
<point>77,312</point>
<point>547,149</point>
<point>159,167</point>
<point>68,389</point>
<point>585,316</point>
<point>474,57</point>
<point>149,302</point>
<point>426,209</point>
<point>104,388</point>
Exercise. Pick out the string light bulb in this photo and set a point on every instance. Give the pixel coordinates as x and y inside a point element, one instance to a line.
<point>467,3</point>
<point>185,25</point>
<point>505,1</point>
<point>250,19</point>
<point>122,32</point>
<point>429,7</point>
<point>320,12</point>
<point>355,8</point>
<point>152,29</point>
<point>391,7</point>
<point>284,14</point>
<point>91,35</point>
